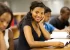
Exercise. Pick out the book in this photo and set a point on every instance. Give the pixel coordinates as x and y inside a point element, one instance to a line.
<point>59,35</point>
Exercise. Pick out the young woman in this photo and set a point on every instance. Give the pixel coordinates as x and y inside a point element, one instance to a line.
<point>32,32</point>
<point>5,20</point>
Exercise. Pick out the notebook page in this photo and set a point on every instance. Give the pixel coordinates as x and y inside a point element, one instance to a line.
<point>59,35</point>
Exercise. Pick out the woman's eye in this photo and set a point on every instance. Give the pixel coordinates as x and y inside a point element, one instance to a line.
<point>7,22</point>
<point>36,12</point>
<point>42,13</point>
<point>1,20</point>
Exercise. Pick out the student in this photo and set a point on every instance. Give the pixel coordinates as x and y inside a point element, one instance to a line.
<point>6,17</point>
<point>50,28</point>
<point>62,21</point>
<point>32,32</point>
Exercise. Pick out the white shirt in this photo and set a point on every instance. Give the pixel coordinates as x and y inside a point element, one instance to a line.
<point>6,38</point>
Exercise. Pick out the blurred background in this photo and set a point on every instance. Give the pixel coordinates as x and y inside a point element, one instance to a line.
<point>23,5</point>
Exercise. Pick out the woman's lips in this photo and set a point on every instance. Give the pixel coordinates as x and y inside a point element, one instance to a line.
<point>3,28</point>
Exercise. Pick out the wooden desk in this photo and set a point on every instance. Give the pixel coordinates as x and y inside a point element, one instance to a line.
<point>65,48</point>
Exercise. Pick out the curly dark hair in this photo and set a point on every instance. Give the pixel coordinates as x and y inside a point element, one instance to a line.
<point>3,9</point>
<point>63,9</point>
<point>35,4</point>
<point>28,18</point>
<point>47,9</point>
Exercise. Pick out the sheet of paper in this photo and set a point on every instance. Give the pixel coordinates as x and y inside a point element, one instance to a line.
<point>59,35</point>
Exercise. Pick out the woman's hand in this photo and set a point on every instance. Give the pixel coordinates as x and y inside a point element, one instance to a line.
<point>42,21</point>
<point>57,44</point>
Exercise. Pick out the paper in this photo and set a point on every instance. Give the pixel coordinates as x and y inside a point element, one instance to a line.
<point>59,35</point>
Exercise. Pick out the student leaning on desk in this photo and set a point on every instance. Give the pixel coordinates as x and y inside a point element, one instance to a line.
<point>32,32</point>
<point>50,28</point>
<point>61,21</point>
<point>6,39</point>
<point>58,35</point>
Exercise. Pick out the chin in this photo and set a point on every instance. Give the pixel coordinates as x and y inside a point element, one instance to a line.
<point>38,21</point>
<point>3,29</point>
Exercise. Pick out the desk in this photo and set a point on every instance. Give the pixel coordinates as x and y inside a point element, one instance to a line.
<point>65,48</point>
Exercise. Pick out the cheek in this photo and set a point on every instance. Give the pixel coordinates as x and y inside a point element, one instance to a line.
<point>47,18</point>
<point>1,24</point>
<point>33,15</point>
<point>42,17</point>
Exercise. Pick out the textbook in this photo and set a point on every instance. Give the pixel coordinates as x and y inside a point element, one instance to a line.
<point>59,35</point>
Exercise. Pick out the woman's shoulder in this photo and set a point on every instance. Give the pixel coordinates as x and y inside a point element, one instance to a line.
<point>25,21</point>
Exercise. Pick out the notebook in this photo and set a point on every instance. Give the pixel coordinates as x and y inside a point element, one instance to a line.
<point>59,35</point>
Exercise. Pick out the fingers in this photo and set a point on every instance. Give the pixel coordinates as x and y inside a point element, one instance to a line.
<point>67,29</point>
<point>58,44</point>
<point>61,44</point>
<point>42,19</point>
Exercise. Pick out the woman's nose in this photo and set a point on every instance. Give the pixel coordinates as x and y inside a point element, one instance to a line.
<point>39,15</point>
<point>5,24</point>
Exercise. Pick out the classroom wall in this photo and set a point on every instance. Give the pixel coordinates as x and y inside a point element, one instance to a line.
<point>1,0</point>
<point>67,3</point>
<point>55,5</point>
<point>19,5</point>
<point>23,5</point>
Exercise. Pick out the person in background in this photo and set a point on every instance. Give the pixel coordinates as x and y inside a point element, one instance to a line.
<point>50,28</point>
<point>32,31</point>
<point>6,39</point>
<point>61,21</point>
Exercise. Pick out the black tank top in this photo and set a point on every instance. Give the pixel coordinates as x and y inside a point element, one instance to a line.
<point>23,45</point>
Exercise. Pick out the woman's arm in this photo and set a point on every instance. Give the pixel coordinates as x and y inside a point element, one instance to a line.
<point>2,42</point>
<point>44,31</point>
<point>11,41</point>
<point>32,43</point>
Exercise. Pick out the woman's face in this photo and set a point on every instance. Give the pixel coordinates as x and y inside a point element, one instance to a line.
<point>47,16</point>
<point>4,20</point>
<point>37,14</point>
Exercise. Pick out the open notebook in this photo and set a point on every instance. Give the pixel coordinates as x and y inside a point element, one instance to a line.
<point>59,35</point>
